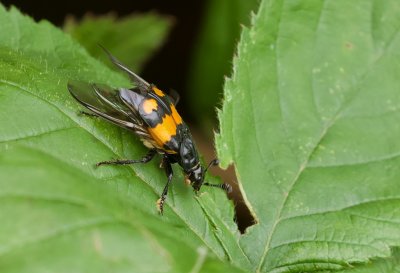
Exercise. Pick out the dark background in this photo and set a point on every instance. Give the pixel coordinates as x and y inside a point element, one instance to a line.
<point>169,66</point>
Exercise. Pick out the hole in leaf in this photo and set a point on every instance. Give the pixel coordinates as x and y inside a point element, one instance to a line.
<point>243,216</point>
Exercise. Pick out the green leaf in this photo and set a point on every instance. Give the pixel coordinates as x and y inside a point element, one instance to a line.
<point>311,121</point>
<point>74,223</point>
<point>59,213</point>
<point>125,37</point>
<point>220,32</point>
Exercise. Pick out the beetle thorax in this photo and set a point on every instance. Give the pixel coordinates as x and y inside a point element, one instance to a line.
<point>189,159</point>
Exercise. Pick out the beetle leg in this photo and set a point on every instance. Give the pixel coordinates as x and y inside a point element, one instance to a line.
<point>149,156</point>
<point>170,173</point>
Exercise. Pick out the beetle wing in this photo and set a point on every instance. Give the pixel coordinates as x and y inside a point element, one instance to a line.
<point>105,102</point>
<point>140,83</point>
<point>174,96</point>
<point>158,128</point>
<point>144,86</point>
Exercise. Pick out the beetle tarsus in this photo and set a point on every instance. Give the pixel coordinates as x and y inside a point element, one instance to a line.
<point>160,204</point>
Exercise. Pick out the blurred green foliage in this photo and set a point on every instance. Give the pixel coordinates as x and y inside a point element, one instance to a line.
<point>124,37</point>
<point>213,52</point>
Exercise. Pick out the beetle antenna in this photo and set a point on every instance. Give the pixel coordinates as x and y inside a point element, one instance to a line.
<point>213,162</point>
<point>224,186</point>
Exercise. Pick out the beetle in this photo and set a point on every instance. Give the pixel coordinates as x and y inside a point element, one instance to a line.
<point>151,115</point>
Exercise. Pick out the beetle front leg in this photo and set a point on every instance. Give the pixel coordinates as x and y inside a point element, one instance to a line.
<point>147,158</point>
<point>169,173</point>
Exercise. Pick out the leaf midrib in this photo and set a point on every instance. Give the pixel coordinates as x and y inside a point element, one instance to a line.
<point>292,184</point>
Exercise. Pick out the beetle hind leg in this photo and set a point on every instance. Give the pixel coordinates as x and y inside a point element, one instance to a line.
<point>147,158</point>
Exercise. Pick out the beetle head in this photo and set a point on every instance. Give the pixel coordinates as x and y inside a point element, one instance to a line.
<point>196,177</point>
<point>189,160</point>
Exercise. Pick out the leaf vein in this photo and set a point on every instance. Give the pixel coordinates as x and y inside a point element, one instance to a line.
<point>37,135</point>
<point>366,162</point>
<point>394,198</point>
<point>58,199</point>
<point>66,229</point>
<point>325,241</point>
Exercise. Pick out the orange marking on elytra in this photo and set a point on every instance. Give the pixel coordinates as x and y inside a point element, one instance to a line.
<point>158,92</point>
<point>175,115</point>
<point>149,105</point>
<point>164,131</point>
